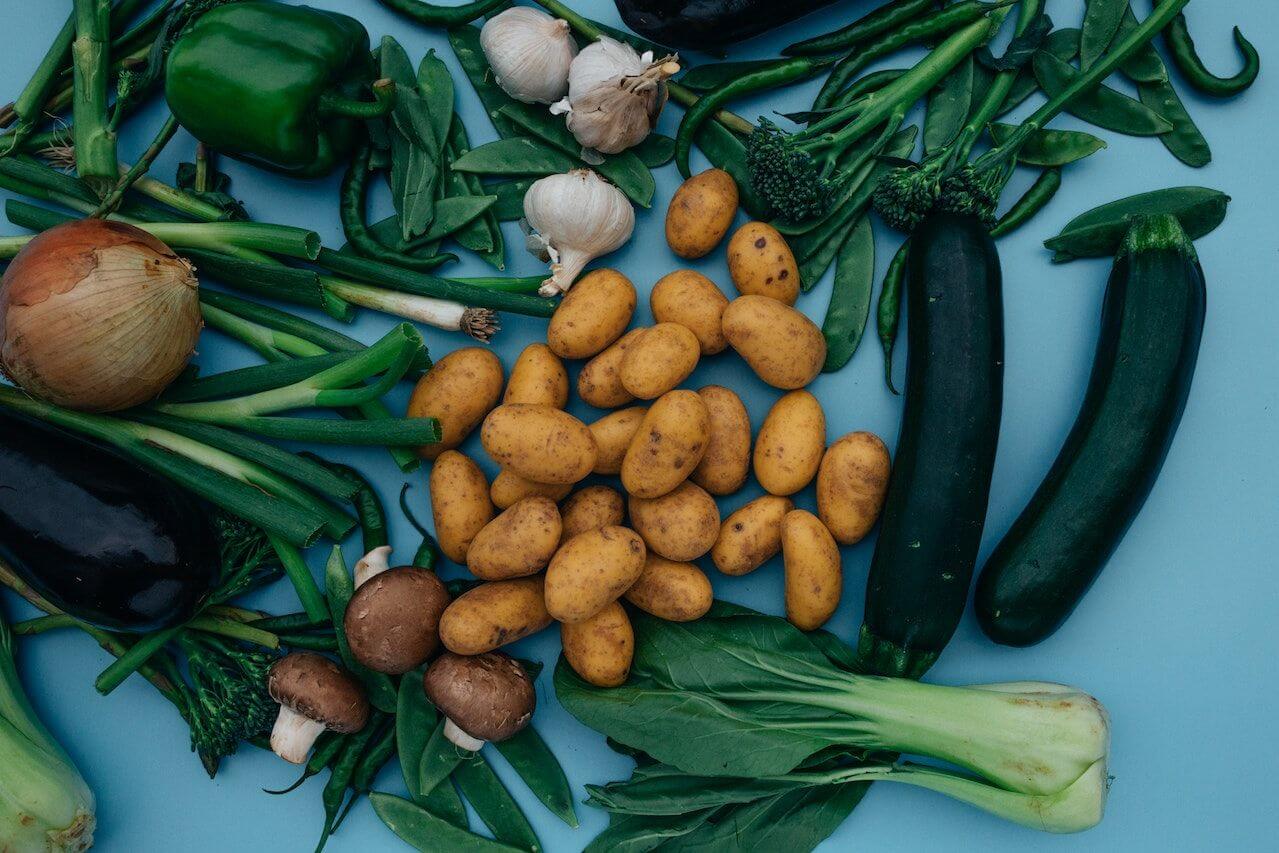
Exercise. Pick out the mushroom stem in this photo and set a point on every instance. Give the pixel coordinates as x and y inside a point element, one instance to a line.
<point>460,738</point>
<point>294,735</point>
<point>372,564</point>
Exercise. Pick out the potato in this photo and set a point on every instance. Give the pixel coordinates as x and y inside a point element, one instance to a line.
<point>539,443</point>
<point>677,592</point>
<point>681,525</point>
<point>751,536</point>
<point>458,390</point>
<point>760,262</point>
<point>459,503</point>
<point>782,346</point>
<point>727,460</point>
<point>494,614</point>
<point>538,377</point>
<point>510,488</point>
<point>851,484</point>
<point>789,446</point>
<point>613,434</point>
<point>590,509</point>
<point>518,543</point>
<point>700,213</point>
<point>600,382</point>
<point>592,315</point>
<point>668,445</point>
<point>601,648</point>
<point>659,360</point>
<point>692,300</point>
<point>591,571</point>
<point>814,580</point>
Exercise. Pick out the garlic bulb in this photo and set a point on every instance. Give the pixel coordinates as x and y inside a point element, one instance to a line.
<point>530,53</point>
<point>614,95</point>
<point>577,217</point>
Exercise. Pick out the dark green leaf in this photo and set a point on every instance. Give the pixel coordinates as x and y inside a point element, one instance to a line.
<point>639,834</point>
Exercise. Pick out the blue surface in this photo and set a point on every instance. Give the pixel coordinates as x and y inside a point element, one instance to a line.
<point>1176,638</point>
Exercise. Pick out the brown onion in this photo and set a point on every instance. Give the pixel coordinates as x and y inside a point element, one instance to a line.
<point>97,316</point>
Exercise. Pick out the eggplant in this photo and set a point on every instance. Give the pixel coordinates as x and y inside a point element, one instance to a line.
<point>700,24</point>
<point>105,541</point>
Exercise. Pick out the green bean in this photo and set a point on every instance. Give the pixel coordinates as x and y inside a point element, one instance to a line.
<point>1050,148</point>
<point>375,757</point>
<point>291,622</point>
<point>325,752</point>
<point>352,194</point>
<point>340,777</point>
<point>309,642</point>
<point>1102,19</point>
<point>516,155</point>
<point>440,757</point>
<point>428,553</point>
<point>849,306</point>
<point>1032,201</point>
<point>534,762</point>
<point>367,506</point>
<point>1185,141</point>
<point>429,833</point>
<point>299,574</point>
<point>707,78</point>
<point>1191,66</point>
<point>340,588</point>
<point>1102,106</point>
<point>886,18</point>
<point>888,312</point>
<point>494,804</point>
<point>431,15</point>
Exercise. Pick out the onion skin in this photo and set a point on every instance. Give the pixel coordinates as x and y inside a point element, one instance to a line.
<point>97,316</point>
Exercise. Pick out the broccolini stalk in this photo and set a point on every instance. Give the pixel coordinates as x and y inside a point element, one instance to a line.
<point>227,698</point>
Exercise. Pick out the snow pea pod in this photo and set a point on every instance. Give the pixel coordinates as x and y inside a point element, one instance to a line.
<point>1063,44</point>
<point>424,831</point>
<point>656,150</point>
<point>465,41</point>
<point>1185,141</point>
<point>1032,201</point>
<point>1188,62</point>
<point>885,19</point>
<point>849,306</point>
<point>354,191</point>
<point>519,155</point>
<point>534,762</point>
<point>948,107</point>
<point>1051,148</point>
<point>1102,106</point>
<point>494,804</point>
<point>509,206</point>
<point>1101,22</point>
<point>888,312</point>
<point>415,719</point>
<point>1099,232</point>
<point>440,757</point>
<point>431,15</point>
<point>1145,65</point>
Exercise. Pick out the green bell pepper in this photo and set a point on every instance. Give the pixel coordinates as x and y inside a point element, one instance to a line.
<point>276,85</point>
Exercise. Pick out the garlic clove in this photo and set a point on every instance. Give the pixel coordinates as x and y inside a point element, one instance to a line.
<point>530,53</point>
<point>579,216</point>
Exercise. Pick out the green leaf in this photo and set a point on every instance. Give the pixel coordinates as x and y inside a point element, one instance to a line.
<point>796,820</point>
<point>639,834</point>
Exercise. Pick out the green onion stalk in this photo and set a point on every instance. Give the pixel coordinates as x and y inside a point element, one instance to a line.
<point>95,141</point>
<point>45,804</point>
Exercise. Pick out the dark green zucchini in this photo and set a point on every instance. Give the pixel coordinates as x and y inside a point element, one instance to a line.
<point>936,505</point>
<point>1151,324</point>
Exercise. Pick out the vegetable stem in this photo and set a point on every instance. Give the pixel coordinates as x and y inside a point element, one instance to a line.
<point>162,138</point>
<point>95,142</point>
<point>299,574</point>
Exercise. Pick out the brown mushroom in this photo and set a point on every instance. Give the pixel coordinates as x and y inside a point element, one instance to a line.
<point>392,622</point>
<point>315,695</point>
<point>486,697</point>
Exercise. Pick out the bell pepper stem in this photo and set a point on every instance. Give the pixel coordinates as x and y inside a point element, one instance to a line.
<point>337,104</point>
<point>95,142</point>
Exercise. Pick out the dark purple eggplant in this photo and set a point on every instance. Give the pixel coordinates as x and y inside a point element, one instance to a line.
<point>701,24</point>
<point>100,538</point>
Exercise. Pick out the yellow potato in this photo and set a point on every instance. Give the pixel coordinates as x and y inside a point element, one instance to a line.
<point>814,580</point>
<point>510,488</point>
<point>701,213</point>
<point>600,382</point>
<point>692,300</point>
<point>458,390</point>
<point>727,460</point>
<point>494,614</point>
<point>681,525</point>
<point>538,377</point>
<point>591,571</point>
<point>782,346</point>
<point>613,434</point>
<point>677,592</point>
<point>751,536</point>
<point>659,360</point>
<point>600,649</point>
<point>518,543</point>
<point>459,503</point>
<point>539,443</point>
<point>668,445</point>
<point>760,262</point>
<point>590,509</point>
<point>789,446</point>
<point>593,314</point>
<point>851,484</point>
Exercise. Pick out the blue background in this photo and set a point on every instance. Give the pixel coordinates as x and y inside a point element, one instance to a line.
<point>1176,638</point>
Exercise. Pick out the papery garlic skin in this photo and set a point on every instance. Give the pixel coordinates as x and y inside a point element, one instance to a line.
<point>530,53</point>
<point>615,96</point>
<point>579,217</point>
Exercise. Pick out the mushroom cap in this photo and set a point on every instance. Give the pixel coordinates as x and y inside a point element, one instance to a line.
<point>392,622</point>
<point>488,696</point>
<point>320,690</point>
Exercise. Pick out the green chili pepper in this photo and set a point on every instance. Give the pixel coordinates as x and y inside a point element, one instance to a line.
<point>443,16</point>
<point>340,778</point>
<point>888,314</point>
<point>887,18</point>
<point>1032,201</point>
<point>376,754</point>
<point>351,208</point>
<point>1192,67</point>
<point>533,760</point>
<point>325,752</point>
<point>291,622</point>
<point>428,553</point>
<point>494,804</point>
<point>277,85</point>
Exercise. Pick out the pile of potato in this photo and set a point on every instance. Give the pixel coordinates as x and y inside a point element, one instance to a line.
<point>545,552</point>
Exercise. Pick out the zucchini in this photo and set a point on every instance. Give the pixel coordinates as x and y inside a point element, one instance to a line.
<point>936,503</point>
<point>1151,324</point>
